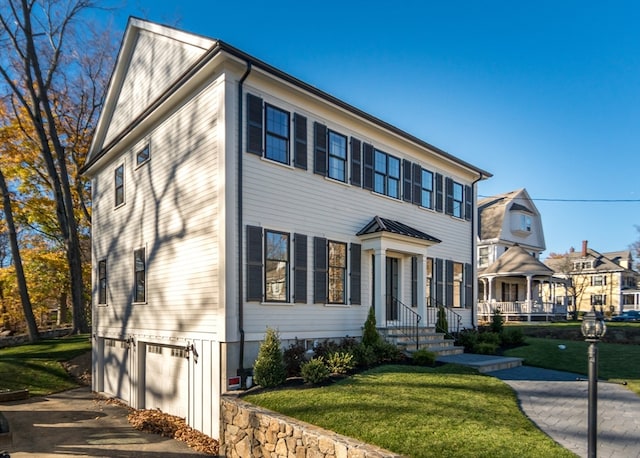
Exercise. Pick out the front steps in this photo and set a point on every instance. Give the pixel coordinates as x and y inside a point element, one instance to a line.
<point>428,339</point>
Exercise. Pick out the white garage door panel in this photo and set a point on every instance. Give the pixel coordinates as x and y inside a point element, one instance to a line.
<point>117,379</point>
<point>167,380</point>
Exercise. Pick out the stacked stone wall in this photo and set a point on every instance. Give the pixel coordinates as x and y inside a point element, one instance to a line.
<point>248,430</point>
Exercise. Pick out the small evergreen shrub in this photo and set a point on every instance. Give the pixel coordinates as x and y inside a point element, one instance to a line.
<point>512,337</point>
<point>269,370</point>
<point>340,362</point>
<point>386,352</point>
<point>365,356</point>
<point>485,348</point>
<point>497,322</point>
<point>294,356</point>
<point>441,322</point>
<point>314,371</point>
<point>370,335</point>
<point>325,348</point>
<point>489,337</point>
<point>467,338</point>
<point>424,358</point>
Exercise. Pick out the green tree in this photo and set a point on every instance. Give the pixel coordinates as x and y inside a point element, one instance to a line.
<point>269,370</point>
<point>370,335</point>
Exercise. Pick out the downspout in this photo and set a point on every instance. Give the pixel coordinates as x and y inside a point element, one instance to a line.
<point>242,372</point>
<point>474,254</point>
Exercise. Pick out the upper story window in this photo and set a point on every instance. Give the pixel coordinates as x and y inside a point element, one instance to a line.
<point>140,269</point>
<point>426,196</point>
<point>337,273</point>
<point>457,200</point>
<point>143,155</point>
<point>119,185</point>
<point>276,266</point>
<point>483,256</point>
<point>581,265</point>
<point>598,280</point>
<point>337,156</point>
<point>102,281</point>
<point>276,134</point>
<point>386,174</point>
<point>525,223</point>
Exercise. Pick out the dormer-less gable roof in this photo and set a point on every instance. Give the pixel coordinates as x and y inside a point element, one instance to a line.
<point>204,50</point>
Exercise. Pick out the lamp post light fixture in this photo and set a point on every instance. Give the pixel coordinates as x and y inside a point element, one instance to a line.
<point>593,328</point>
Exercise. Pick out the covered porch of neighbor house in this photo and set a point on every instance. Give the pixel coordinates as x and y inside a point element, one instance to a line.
<point>514,285</point>
<point>630,300</point>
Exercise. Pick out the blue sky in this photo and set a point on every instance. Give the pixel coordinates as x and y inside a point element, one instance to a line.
<point>545,95</point>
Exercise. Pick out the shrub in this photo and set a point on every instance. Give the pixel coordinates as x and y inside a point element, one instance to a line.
<point>365,356</point>
<point>468,338</point>
<point>485,348</point>
<point>424,358</point>
<point>512,337</point>
<point>293,357</point>
<point>497,321</point>
<point>268,370</point>
<point>340,362</point>
<point>386,352</point>
<point>325,348</point>
<point>489,337</point>
<point>370,335</point>
<point>314,371</point>
<point>441,323</point>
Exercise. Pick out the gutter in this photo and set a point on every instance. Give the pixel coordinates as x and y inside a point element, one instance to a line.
<point>474,252</point>
<point>242,372</point>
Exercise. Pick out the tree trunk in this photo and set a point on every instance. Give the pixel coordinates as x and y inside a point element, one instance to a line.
<point>32,327</point>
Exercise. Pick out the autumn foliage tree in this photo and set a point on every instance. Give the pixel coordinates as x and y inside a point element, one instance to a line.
<point>54,71</point>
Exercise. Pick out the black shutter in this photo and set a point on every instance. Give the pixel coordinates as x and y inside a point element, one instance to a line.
<point>439,197</point>
<point>406,181</point>
<point>300,268</point>
<point>468,286</point>
<point>467,203</point>
<point>355,276</point>
<point>449,196</point>
<point>254,124</point>
<point>254,263</point>
<point>417,184</point>
<point>320,149</point>
<point>448,267</point>
<point>356,162</point>
<point>319,270</point>
<point>438,266</point>
<point>367,167</point>
<point>300,141</point>
<point>414,281</point>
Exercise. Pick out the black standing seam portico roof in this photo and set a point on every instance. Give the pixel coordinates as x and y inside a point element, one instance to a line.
<point>378,224</point>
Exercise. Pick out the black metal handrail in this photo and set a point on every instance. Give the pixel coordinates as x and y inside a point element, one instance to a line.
<point>407,320</point>
<point>454,319</point>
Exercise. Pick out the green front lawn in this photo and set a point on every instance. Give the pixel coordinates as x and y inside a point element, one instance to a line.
<point>38,367</point>
<point>447,411</point>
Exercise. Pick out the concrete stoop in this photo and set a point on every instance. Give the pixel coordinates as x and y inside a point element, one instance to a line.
<point>483,363</point>
<point>428,339</point>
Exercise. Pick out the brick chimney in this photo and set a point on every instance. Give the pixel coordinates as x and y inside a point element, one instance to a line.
<point>584,248</point>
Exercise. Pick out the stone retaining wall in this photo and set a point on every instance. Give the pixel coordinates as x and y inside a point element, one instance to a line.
<point>20,339</point>
<point>248,430</point>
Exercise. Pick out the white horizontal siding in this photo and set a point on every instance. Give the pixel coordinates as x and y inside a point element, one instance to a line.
<point>172,210</point>
<point>157,61</point>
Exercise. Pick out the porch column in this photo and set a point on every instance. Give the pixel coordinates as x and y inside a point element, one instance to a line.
<point>529,277</point>
<point>380,286</point>
<point>490,289</point>
<point>422,290</point>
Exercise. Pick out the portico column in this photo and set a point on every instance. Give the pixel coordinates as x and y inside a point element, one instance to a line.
<point>380,285</point>
<point>422,279</point>
<point>490,281</point>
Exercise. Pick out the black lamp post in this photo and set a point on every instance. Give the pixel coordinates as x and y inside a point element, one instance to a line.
<point>593,328</point>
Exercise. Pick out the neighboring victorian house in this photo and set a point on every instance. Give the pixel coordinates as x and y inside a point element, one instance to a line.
<point>510,274</point>
<point>605,281</point>
<point>229,196</point>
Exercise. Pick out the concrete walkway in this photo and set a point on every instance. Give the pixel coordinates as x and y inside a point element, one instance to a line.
<point>557,403</point>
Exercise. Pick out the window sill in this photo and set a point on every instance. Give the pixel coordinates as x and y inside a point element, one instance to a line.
<point>394,199</point>
<point>343,306</point>
<point>290,304</point>
<point>333,180</point>
<point>280,164</point>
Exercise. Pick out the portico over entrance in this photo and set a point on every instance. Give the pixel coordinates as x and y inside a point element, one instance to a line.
<point>399,259</point>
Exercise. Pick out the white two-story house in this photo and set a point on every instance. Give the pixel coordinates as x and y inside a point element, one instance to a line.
<point>229,196</point>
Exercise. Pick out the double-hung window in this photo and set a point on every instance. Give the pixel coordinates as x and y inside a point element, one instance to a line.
<point>337,156</point>
<point>457,200</point>
<point>337,272</point>
<point>118,178</point>
<point>598,299</point>
<point>426,197</point>
<point>386,174</point>
<point>142,156</point>
<point>102,282</point>
<point>276,134</point>
<point>276,266</point>
<point>598,280</point>
<point>140,268</point>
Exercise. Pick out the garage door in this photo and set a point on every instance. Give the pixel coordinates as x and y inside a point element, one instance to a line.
<point>117,378</point>
<point>167,379</point>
